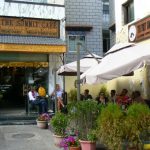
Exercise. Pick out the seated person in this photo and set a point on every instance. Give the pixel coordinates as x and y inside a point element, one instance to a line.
<point>42,99</point>
<point>123,99</point>
<point>102,99</point>
<point>86,95</point>
<point>59,97</point>
<point>113,96</point>
<point>32,95</point>
<point>136,97</point>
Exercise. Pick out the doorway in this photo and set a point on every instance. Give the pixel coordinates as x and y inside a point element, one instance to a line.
<point>14,82</point>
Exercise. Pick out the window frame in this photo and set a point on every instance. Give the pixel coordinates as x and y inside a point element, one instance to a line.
<point>76,35</point>
<point>127,11</point>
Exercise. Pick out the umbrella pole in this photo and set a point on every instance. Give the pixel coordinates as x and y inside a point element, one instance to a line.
<point>78,71</point>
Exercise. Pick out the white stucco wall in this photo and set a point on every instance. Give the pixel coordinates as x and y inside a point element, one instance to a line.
<point>141,9</point>
<point>35,11</point>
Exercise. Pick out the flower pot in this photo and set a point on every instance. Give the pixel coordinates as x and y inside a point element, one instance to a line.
<point>74,148</point>
<point>146,147</point>
<point>132,148</point>
<point>88,145</point>
<point>42,124</point>
<point>57,140</point>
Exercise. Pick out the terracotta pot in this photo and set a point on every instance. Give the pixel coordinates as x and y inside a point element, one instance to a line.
<point>132,148</point>
<point>88,145</point>
<point>146,146</point>
<point>74,148</point>
<point>42,124</point>
<point>57,140</point>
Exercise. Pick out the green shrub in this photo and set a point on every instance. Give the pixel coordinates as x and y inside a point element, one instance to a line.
<point>136,122</point>
<point>103,89</point>
<point>116,127</point>
<point>109,125</point>
<point>59,123</point>
<point>84,115</point>
<point>72,95</point>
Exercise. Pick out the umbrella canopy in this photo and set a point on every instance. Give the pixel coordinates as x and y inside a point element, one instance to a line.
<point>86,62</point>
<point>118,63</point>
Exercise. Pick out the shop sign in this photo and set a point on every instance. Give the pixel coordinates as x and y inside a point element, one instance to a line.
<point>140,30</point>
<point>29,27</point>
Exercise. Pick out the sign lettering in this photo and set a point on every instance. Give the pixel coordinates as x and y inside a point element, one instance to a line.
<point>27,26</point>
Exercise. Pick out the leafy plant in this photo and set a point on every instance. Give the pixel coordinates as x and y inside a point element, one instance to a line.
<point>110,124</point>
<point>116,127</point>
<point>59,123</point>
<point>72,95</point>
<point>103,89</point>
<point>136,122</point>
<point>91,136</point>
<point>84,115</point>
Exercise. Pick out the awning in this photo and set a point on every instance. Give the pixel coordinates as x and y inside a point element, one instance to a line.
<point>118,63</point>
<point>30,44</point>
<point>86,62</point>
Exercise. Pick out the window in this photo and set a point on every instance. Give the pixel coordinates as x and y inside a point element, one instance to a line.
<point>128,9</point>
<point>106,41</point>
<point>73,40</point>
<point>105,12</point>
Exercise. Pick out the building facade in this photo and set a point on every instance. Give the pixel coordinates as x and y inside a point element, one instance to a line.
<point>83,25</point>
<point>32,44</point>
<point>130,23</point>
<point>125,13</point>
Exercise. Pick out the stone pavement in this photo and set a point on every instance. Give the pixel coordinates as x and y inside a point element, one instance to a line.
<point>26,137</point>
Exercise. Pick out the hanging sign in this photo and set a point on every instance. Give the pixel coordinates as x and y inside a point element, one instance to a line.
<point>29,27</point>
<point>140,30</point>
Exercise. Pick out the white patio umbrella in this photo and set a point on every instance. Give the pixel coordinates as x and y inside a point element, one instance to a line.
<point>118,63</point>
<point>86,62</point>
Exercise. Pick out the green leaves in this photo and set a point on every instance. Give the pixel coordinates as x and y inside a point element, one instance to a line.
<point>84,114</point>
<point>59,123</point>
<point>115,126</point>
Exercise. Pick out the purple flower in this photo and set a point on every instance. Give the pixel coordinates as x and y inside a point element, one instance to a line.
<point>69,141</point>
<point>44,117</point>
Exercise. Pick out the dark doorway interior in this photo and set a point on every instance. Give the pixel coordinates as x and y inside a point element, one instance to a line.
<point>12,81</point>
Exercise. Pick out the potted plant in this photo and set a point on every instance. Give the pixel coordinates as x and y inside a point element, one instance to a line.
<point>137,121</point>
<point>83,115</point>
<point>71,143</point>
<point>118,129</point>
<point>59,123</point>
<point>145,138</point>
<point>42,120</point>
<point>110,125</point>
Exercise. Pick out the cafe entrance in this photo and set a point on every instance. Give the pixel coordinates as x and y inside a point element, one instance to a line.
<point>27,47</point>
<point>16,78</point>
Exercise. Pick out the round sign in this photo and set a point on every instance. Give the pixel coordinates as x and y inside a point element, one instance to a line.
<point>132,33</point>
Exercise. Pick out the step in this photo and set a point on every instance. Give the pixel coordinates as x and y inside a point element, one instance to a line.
<point>18,122</point>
